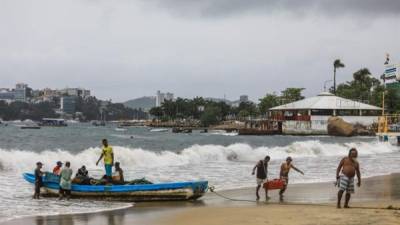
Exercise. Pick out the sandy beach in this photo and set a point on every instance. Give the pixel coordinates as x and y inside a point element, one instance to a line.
<point>376,202</point>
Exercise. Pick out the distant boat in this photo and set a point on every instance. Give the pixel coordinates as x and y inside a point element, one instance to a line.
<point>30,127</point>
<point>159,130</point>
<point>181,130</point>
<point>98,123</point>
<point>178,191</point>
<point>120,129</point>
<point>52,122</point>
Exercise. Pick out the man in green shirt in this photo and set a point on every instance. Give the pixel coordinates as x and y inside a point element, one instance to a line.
<point>65,181</point>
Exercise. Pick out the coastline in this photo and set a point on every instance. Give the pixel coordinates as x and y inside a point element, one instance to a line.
<point>375,194</point>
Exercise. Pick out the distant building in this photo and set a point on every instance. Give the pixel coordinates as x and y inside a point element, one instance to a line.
<point>77,92</point>
<point>68,104</point>
<point>161,97</point>
<point>6,95</point>
<point>310,115</point>
<point>21,92</point>
<point>244,98</point>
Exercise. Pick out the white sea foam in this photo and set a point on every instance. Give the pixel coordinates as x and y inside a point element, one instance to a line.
<point>20,160</point>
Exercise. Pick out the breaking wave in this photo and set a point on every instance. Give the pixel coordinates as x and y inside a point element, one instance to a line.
<point>19,160</point>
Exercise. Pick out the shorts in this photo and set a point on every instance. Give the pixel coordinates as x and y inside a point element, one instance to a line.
<point>285,180</point>
<point>346,184</point>
<point>108,168</point>
<point>260,181</point>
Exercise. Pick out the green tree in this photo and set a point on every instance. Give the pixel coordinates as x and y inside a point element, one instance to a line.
<point>243,114</point>
<point>157,112</point>
<point>211,116</point>
<point>89,107</point>
<point>364,87</point>
<point>291,95</point>
<point>336,65</point>
<point>267,102</point>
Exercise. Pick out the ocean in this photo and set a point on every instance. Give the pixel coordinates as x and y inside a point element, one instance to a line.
<point>225,160</point>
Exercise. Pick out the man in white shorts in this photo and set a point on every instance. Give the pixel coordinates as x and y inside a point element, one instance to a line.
<point>262,172</point>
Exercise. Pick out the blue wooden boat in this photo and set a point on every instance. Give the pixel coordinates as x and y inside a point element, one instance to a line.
<point>138,192</point>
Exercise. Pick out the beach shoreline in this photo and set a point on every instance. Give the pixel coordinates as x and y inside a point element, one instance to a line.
<point>376,192</point>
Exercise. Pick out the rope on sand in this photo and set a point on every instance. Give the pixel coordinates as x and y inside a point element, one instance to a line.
<point>212,189</point>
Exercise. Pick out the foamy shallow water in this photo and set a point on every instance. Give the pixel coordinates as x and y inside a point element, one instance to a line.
<point>225,161</point>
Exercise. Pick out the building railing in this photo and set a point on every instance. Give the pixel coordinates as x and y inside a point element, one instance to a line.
<point>292,118</point>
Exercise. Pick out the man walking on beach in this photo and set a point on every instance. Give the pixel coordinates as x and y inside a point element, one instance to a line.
<point>108,155</point>
<point>262,174</point>
<point>284,174</point>
<point>38,180</point>
<point>348,167</point>
<point>65,181</point>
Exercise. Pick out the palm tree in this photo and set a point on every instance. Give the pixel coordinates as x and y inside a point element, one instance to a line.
<point>336,64</point>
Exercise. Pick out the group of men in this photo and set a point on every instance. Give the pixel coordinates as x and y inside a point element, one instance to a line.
<point>347,169</point>
<point>82,175</point>
<point>65,174</point>
<point>262,174</point>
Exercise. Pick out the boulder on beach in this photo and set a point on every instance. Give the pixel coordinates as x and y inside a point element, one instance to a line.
<point>338,127</point>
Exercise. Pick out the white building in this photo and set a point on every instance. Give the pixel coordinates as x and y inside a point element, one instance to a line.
<point>311,115</point>
<point>161,97</point>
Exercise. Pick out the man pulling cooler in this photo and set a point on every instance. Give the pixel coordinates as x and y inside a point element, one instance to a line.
<point>108,155</point>
<point>262,174</point>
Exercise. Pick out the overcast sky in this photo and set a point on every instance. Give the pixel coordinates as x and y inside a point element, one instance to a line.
<point>125,49</point>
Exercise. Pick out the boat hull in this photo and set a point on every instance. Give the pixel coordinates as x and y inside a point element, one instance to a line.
<point>181,191</point>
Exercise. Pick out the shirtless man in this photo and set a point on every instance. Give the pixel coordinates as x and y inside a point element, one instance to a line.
<point>284,174</point>
<point>349,168</point>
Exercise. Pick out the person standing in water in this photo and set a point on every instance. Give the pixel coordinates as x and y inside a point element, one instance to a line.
<point>262,174</point>
<point>284,174</point>
<point>108,155</point>
<point>57,168</point>
<point>65,181</point>
<point>38,180</point>
<point>348,167</point>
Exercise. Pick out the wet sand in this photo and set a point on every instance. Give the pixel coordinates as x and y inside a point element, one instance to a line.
<point>303,204</point>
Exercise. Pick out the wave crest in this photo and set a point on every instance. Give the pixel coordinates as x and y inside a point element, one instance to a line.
<point>20,160</point>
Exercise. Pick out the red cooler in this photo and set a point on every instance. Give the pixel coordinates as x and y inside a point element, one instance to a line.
<point>274,184</point>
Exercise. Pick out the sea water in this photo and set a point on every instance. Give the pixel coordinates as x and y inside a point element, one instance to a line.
<point>225,160</point>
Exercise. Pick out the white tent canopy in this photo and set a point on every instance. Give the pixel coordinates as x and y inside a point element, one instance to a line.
<point>325,100</point>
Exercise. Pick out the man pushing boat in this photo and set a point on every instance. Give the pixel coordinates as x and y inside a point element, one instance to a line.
<point>108,155</point>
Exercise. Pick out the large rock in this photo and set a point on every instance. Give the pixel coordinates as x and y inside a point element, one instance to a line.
<point>338,127</point>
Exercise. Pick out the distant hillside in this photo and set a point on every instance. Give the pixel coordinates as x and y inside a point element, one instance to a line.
<point>145,103</point>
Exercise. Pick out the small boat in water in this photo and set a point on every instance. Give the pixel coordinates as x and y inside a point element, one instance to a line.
<point>35,127</point>
<point>159,130</point>
<point>139,192</point>
<point>53,122</point>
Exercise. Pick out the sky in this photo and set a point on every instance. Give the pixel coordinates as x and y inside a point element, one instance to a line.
<point>125,49</point>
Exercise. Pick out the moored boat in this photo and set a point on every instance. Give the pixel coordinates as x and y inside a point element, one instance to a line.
<point>35,127</point>
<point>53,122</point>
<point>138,192</point>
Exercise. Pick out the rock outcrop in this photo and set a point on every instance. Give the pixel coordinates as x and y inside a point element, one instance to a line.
<point>338,127</point>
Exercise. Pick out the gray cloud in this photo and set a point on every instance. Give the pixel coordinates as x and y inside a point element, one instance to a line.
<point>122,49</point>
<point>222,8</point>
